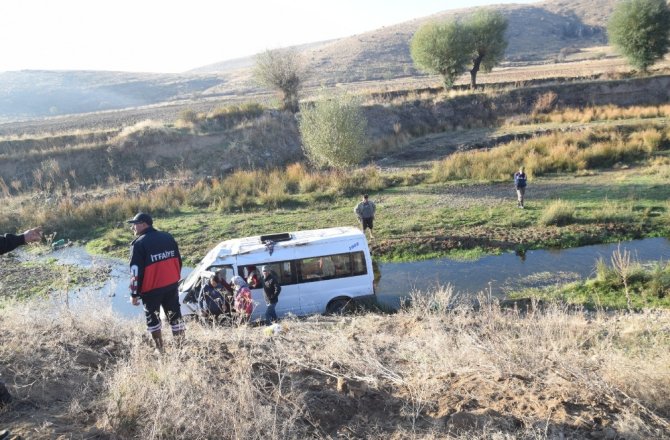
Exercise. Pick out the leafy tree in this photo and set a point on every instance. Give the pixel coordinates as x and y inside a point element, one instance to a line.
<point>334,132</point>
<point>450,48</point>
<point>441,48</point>
<point>280,69</point>
<point>640,29</point>
<point>486,29</point>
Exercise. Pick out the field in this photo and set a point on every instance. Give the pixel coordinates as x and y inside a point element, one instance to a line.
<point>440,173</point>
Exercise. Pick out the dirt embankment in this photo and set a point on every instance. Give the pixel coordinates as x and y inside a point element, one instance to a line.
<point>272,138</point>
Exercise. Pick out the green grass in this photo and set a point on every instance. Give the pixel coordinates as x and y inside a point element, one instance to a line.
<point>412,219</point>
<point>648,287</point>
<point>40,277</point>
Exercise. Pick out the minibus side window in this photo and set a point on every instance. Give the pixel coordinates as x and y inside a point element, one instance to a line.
<point>285,271</point>
<point>331,266</point>
<point>358,263</point>
<point>342,264</point>
<point>309,270</point>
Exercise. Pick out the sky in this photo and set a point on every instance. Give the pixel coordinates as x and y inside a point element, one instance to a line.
<point>171,36</point>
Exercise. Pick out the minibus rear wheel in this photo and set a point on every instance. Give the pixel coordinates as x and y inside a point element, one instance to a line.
<point>338,306</point>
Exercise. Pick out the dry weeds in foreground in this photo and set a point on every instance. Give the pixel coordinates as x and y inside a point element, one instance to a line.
<point>435,370</point>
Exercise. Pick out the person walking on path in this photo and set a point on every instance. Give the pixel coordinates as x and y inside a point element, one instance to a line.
<point>155,269</point>
<point>520,186</point>
<point>271,291</point>
<point>365,211</point>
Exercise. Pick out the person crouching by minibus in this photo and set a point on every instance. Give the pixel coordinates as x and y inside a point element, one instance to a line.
<point>211,300</point>
<point>243,303</point>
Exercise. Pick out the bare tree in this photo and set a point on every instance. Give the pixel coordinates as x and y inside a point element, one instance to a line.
<point>282,70</point>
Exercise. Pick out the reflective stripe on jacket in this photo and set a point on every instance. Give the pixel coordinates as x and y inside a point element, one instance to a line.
<point>155,261</point>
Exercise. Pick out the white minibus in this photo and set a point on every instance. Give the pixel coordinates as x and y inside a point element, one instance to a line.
<point>320,271</point>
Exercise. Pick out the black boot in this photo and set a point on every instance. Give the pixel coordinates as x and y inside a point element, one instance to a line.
<point>5,397</point>
<point>158,340</point>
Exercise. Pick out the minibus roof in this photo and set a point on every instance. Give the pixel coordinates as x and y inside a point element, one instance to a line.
<point>249,245</point>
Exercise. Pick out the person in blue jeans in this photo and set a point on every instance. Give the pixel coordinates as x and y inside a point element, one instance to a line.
<point>271,290</point>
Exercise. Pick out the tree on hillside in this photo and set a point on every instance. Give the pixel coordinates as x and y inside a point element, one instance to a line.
<point>486,29</point>
<point>640,29</point>
<point>451,47</point>
<point>441,48</point>
<point>333,132</point>
<point>282,70</point>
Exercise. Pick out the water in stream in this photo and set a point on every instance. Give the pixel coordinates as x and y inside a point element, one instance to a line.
<point>500,273</point>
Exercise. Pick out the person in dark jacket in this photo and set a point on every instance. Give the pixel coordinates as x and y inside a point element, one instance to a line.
<point>211,300</point>
<point>155,269</point>
<point>271,290</point>
<point>9,242</point>
<point>520,186</point>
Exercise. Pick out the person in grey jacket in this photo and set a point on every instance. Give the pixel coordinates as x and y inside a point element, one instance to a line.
<point>365,211</point>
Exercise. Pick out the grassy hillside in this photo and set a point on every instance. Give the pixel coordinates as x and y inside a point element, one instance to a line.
<point>538,32</point>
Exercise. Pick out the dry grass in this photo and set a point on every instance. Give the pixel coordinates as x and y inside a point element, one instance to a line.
<point>555,152</point>
<point>545,104</point>
<point>438,369</point>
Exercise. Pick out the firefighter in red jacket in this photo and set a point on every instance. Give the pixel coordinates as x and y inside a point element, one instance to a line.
<point>155,269</point>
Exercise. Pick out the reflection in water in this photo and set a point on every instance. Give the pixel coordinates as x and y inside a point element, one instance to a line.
<point>393,281</point>
<point>508,272</point>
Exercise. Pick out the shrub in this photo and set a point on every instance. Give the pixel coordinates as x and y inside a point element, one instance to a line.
<point>188,116</point>
<point>558,213</point>
<point>364,180</point>
<point>334,132</point>
<point>659,280</point>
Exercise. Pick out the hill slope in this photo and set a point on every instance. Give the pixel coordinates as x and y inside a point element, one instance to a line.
<point>537,33</point>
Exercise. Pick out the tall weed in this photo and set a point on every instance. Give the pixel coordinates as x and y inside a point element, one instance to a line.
<point>558,213</point>
<point>555,152</point>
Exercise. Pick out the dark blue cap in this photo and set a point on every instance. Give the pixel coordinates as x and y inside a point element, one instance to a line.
<point>141,218</point>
